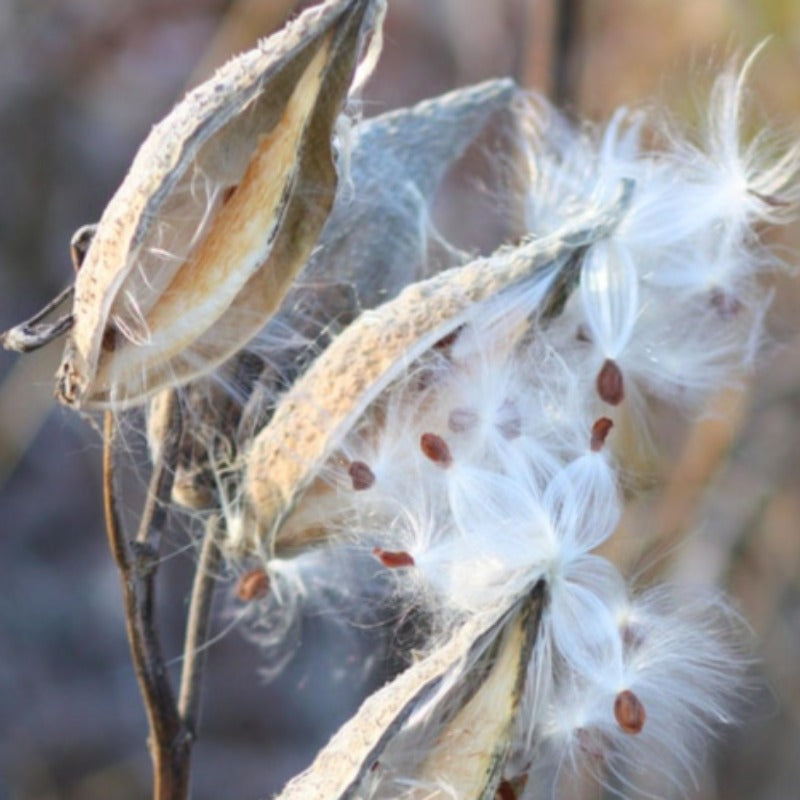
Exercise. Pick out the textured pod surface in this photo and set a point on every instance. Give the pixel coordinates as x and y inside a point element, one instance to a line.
<point>445,720</point>
<point>375,241</point>
<point>221,208</point>
<point>327,401</point>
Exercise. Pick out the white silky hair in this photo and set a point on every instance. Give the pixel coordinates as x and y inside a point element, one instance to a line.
<point>484,469</point>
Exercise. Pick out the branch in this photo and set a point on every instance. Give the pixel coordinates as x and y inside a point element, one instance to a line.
<point>169,744</point>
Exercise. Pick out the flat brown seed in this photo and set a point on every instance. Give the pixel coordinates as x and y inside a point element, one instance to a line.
<point>505,791</point>
<point>253,585</point>
<point>462,419</point>
<point>436,449</point>
<point>725,304</point>
<point>393,559</point>
<point>629,712</point>
<point>361,475</point>
<point>509,421</point>
<point>600,431</point>
<point>610,385</point>
<point>109,341</point>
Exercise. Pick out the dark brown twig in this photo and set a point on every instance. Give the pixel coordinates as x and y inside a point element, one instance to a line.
<point>169,743</point>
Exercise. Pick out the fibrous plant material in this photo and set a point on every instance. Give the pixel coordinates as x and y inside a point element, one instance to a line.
<point>220,210</point>
<point>444,724</point>
<point>312,419</point>
<point>453,421</point>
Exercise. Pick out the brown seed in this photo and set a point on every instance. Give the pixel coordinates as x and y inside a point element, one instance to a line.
<point>629,712</point>
<point>583,335</point>
<point>632,637</point>
<point>109,340</point>
<point>436,449</point>
<point>505,791</point>
<point>609,383</point>
<point>361,475</point>
<point>590,743</point>
<point>446,342</point>
<point>600,431</point>
<point>393,559</point>
<point>462,419</point>
<point>509,422</point>
<point>253,585</point>
<point>725,304</point>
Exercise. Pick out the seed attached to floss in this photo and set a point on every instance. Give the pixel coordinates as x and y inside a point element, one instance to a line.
<point>461,420</point>
<point>393,559</point>
<point>600,431</point>
<point>505,791</point>
<point>610,385</point>
<point>725,304</point>
<point>361,475</point>
<point>509,421</point>
<point>253,585</point>
<point>436,449</point>
<point>629,712</point>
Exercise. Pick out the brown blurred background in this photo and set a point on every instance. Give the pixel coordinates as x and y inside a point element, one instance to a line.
<point>81,82</point>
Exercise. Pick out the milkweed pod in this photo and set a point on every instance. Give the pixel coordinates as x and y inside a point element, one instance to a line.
<point>319,410</point>
<point>463,698</point>
<point>221,208</point>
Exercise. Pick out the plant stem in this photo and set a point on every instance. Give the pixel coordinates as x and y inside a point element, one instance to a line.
<point>168,740</point>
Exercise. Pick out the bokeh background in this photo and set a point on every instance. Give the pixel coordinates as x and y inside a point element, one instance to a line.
<point>81,82</point>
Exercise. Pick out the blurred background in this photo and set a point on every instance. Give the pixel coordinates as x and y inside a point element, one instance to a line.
<point>81,83</point>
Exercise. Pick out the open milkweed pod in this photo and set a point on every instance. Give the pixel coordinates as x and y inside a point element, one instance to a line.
<point>373,243</point>
<point>221,208</point>
<point>319,410</point>
<point>442,728</point>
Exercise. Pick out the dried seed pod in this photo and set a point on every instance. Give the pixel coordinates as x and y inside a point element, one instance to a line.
<point>323,405</point>
<point>468,693</point>
<point>629,712</point>
<point>186,270</point>
<point>397,162</point>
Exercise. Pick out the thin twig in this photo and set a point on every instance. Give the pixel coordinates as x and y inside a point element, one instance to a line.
<point>33,334</point>
<point>169,744</point>
<point>197,626</point>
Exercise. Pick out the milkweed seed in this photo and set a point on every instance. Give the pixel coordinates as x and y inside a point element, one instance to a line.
<point>253,585</point>
<point>436,449</point>
<point>600,431</point>
<point>609,383</point>
<point>629,712</point>
<point>393,559</point>
<point>361,475</point>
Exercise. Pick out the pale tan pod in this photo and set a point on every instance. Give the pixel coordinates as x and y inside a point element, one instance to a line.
<point>222,206</point>
<point>467,692</point>
<point>324,404</point>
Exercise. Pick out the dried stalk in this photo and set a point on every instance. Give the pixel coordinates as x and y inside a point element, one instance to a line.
<point>172,725</point>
